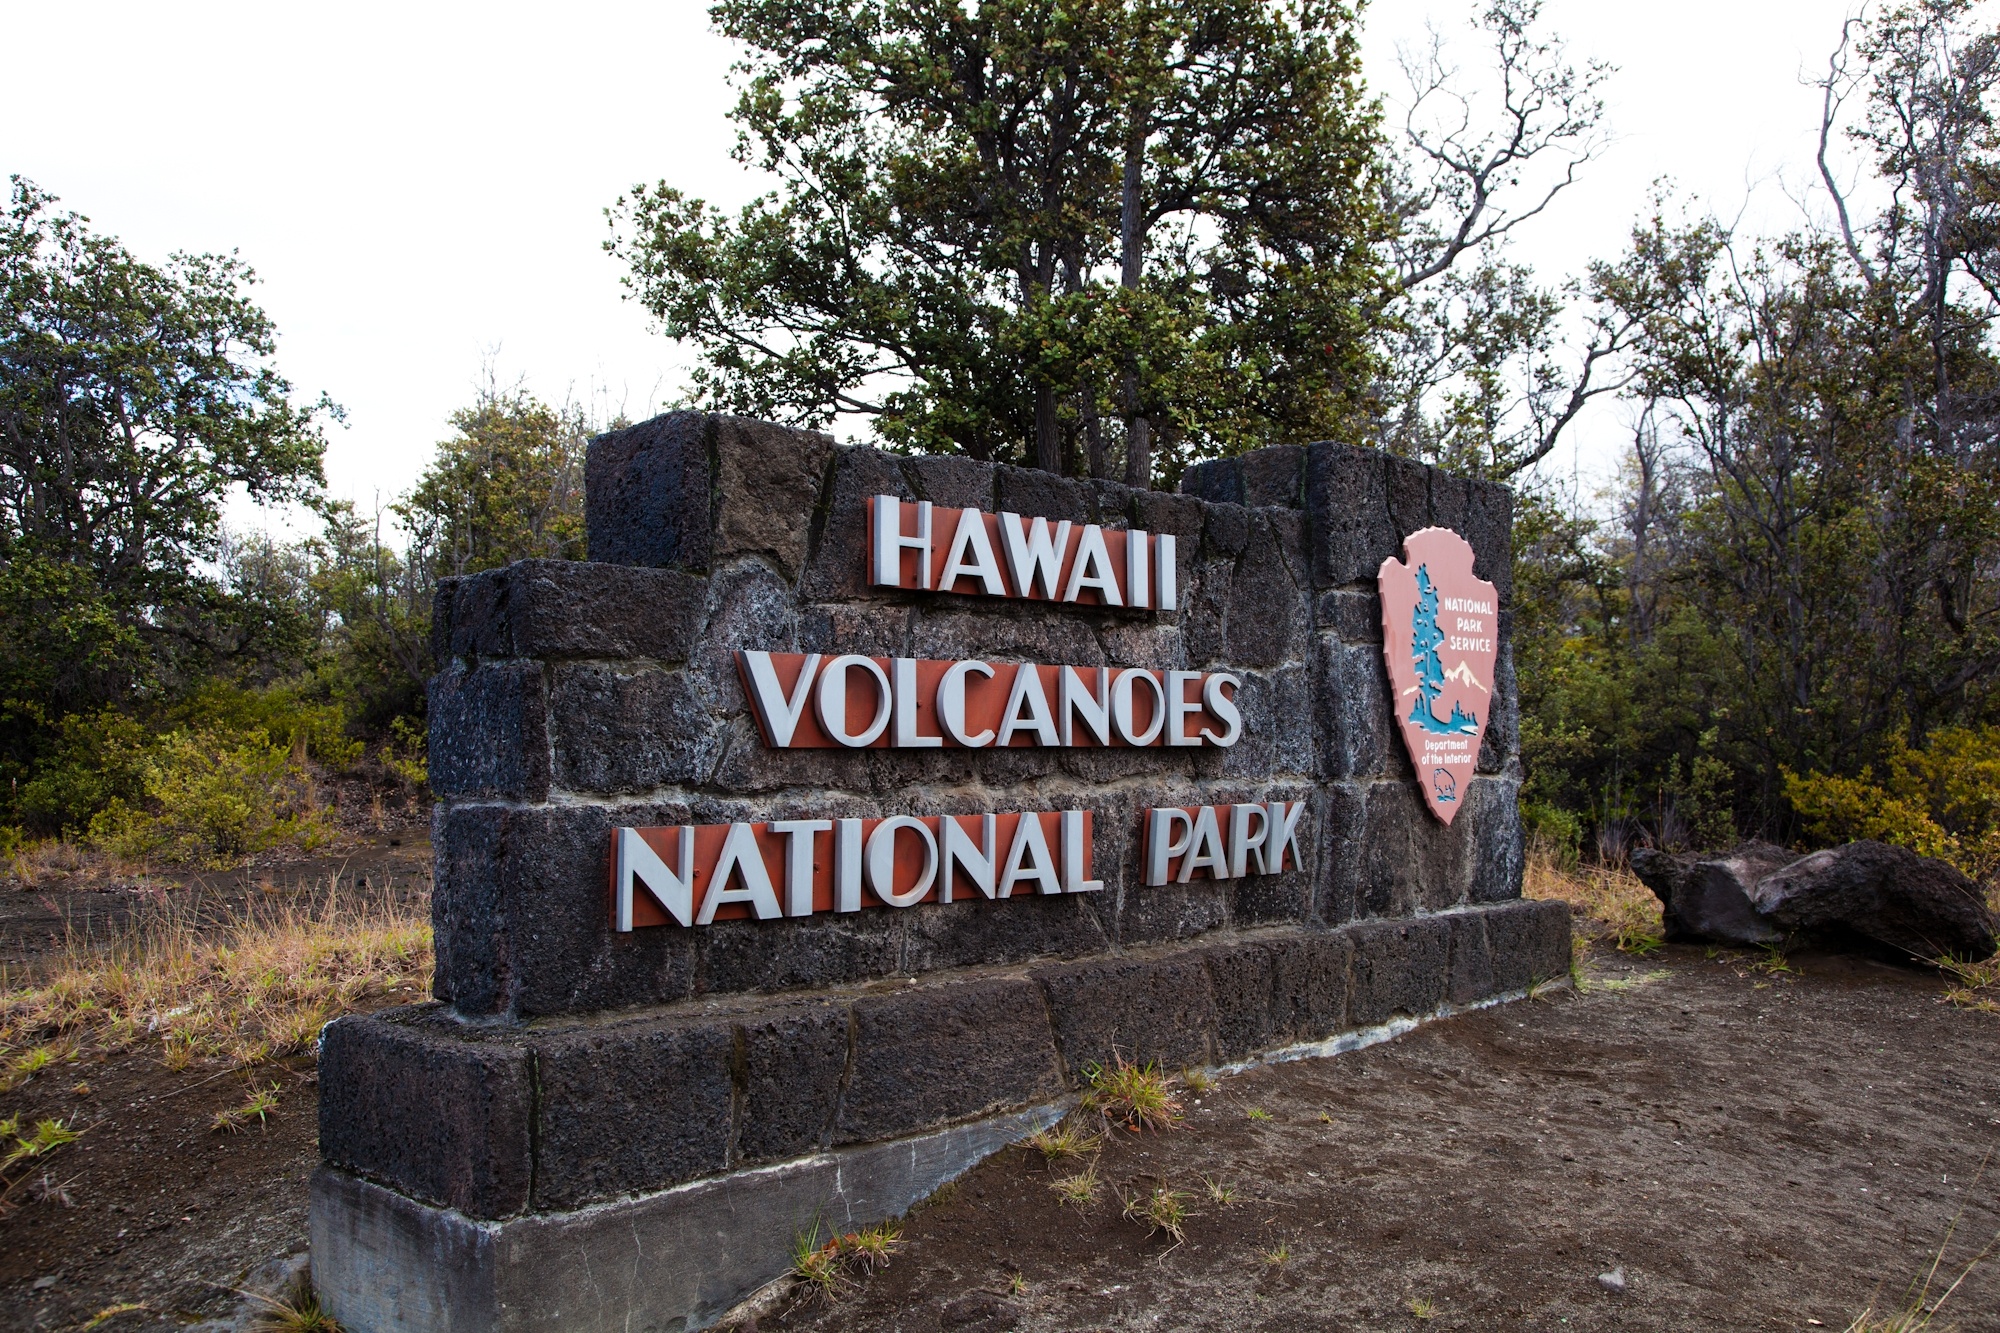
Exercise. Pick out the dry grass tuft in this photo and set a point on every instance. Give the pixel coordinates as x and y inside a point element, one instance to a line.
<point>1160,1209</point>
<point>1079,1189</point>
<point>1973,985</point>
<point>1064,1142</point>
<point>1608,902</point>
<point>243,985</point>
<point>1134,1096</point>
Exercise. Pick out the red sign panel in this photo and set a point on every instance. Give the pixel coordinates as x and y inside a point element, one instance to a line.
<point>1441,636</point>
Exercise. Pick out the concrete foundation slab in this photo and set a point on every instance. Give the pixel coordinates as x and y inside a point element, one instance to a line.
<point>658,1263</point>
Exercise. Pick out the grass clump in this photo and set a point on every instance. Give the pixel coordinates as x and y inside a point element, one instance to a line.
<point>1277,1256</point>
<point>262,1102</point>
<point>1133,1096</point>
<point>824,1268</point>
<point>239,984</point>
<point>1064,1142</point>
<point>298,1311</point>
<point>1421,1308</point>
<point>1160,1210</point>
<point>1079,1189</point>
<point>32,1148</point>
<point>1218,1191</point>
<point>1258,1113</point>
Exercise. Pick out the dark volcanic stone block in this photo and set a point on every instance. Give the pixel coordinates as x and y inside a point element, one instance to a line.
<point>792,1066</point>
<point>522,913</point>
<point>1348,521</point>
<point>630,1108</point>
<point>691,490</point>
<point>1218,481</point>
<point>1243,979</point>
<point>1529,941</point>
<point>489,732</point>
<point>1156,1011</point>
<point>1490,530</point>
<point>825,949</point>
<point>570,608</point>
<point>629,728</point>
<point>1013,930</point>
<point>839,561</point>
<point>1353,726</point>
<point>1313,984</point>
<point>1469,975</point>
<point>1399,967</point>
<point>928,1055</point>
<point>646,493</point>
<point>1274,476</point>
<point>439,1114</point>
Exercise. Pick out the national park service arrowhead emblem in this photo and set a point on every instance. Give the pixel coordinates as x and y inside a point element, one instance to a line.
<point>1441,636</point>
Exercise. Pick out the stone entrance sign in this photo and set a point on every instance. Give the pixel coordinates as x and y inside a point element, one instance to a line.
<point>1441,643</point>
<point>815,837</point>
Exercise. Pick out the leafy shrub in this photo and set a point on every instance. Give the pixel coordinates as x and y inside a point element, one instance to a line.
<point>98,758</point>
<point>1941,800</point>
<point>213,797</point>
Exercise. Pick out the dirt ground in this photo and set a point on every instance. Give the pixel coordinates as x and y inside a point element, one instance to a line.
<point>1753,1151</point>
<point>152,1208</point>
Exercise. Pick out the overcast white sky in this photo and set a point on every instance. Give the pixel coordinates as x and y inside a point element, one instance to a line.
<point>421,186</point>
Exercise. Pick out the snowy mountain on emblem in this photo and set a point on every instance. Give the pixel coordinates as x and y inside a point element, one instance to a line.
<point>1462,673</point>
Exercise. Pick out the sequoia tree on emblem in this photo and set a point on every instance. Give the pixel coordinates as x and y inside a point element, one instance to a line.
<point>1440,634</point>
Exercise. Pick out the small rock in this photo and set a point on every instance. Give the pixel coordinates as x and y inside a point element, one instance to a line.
<point>1614,1281</point>
<point>44,1283</point>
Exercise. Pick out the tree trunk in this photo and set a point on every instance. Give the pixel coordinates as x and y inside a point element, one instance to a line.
<point>1132,271</point>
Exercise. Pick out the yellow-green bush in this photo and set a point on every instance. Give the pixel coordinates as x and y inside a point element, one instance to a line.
<point>1940,800</point>
<point>213,796</point>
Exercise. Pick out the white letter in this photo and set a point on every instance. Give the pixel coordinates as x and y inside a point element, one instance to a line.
<point>741,856</point>
<point>636,859</point>
<point>1161,846</point>
<point>1031,556</point>
<point>1223,706</point>
<point>890,543</point>
<point>1074,698</point>
<point>1205,848</point>
<point>951,703</point>
<point>799,860</point>
<point>1284,833</point>
<point>1027,692</point>
<point>1138,582</point>
<point>1075,844</point>
<point>1029,858</point>
<point>1178,707</point>
<point>882,861</point>
<point>1091,556</point>
<point>1241,844</point>
<point>1169,571</point>
<point>777,715</point>
<point>833,701</point>
<point>847,865</point>
<point>1121,707</point>
<point>907,735</point>
<point>971,536</point>
<point>979,863</point>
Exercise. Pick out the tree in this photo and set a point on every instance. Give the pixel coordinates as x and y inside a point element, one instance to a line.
<point>507,486</point>
<point>133,399</point>
<point>1034,231</point>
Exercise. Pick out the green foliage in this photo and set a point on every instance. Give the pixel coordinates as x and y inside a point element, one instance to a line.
<point>508,486</point>
<point>212,797</point>
<point>1941,799</point>
<point>1034,231</point>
